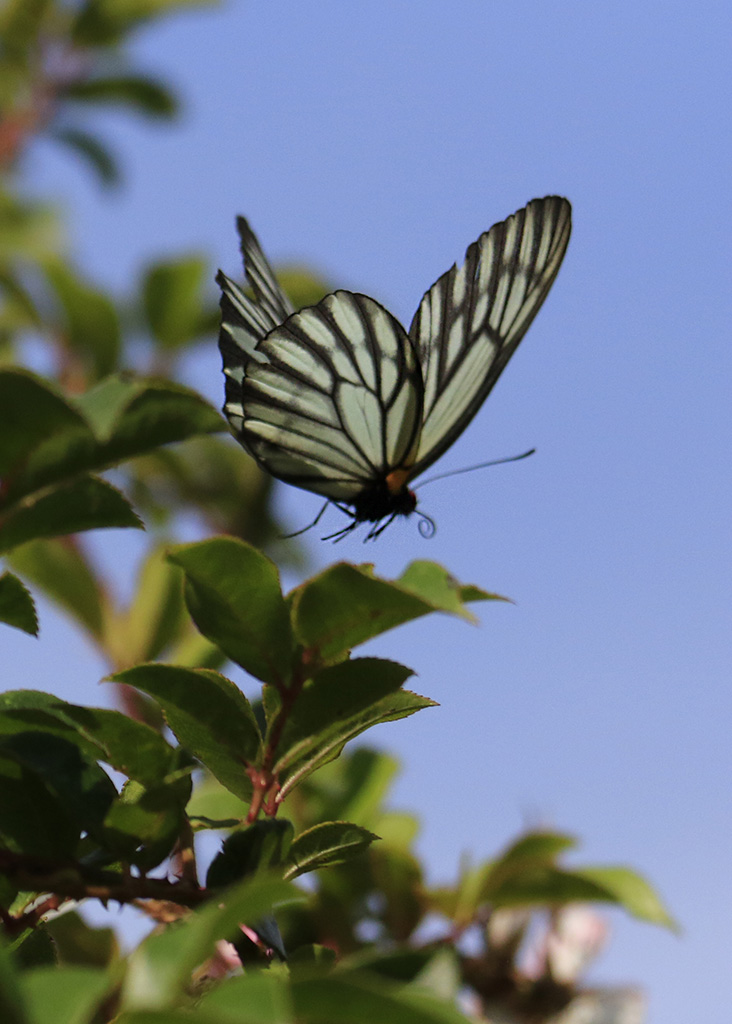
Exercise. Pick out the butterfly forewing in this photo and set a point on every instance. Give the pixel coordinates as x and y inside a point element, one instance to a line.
<point>471,320</point>
<point>338,401</point>
<point>270,297</point>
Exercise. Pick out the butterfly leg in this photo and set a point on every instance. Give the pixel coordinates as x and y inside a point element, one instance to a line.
<point>315,522</point>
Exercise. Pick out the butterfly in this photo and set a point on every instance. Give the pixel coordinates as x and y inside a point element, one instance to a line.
<point>340,400</point>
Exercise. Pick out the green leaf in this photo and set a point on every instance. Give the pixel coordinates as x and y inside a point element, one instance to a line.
<point>330,842</point>
<point>160,968</point>
<point>632,892</point>
<point>16,605</point>
<point>62,571</point>
<point>172,296</point>
<point>347,605</point>
<point>261,846</point>
<point>44,440</point>
<point>234,597</point>
<point>64,995</point>
<point>84,789</point>
<point>93,152</point>
<point>353,788</point>
<point>77,942</point>
<point>33,821</point>
<point>12,1008</point>
<point>327,745</point>
<point>142,825</point>
<point>21,22</point>
<point>19,309</point>
<point>131,747</point>
<point>87,503</point>
<point>353,999</point>
<point>533,848</point>
<point>213,806</point>
<point>260,997</point>
<point>130,416</point>
<point>90,324</point>
<point>209,715</point>
<point>31,411</point>
<point>332,698</point>
<point>157,614</point>
<point>433,583</point>
<point>104,22</point>
<point>140,93</point>
<point>28,229</point>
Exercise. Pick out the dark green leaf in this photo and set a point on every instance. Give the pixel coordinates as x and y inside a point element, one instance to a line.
<point>61,570</point>
<point>93,152</point>
<point>33,821</point>
<point>173,300</point>
<point>85,791</point>
<point>104,22</point>
<point>332,698</point>
<point>330,842</point>
<point>261,846</point>
<point>34,948</point>
<point>31,411</point>
<point>209,715</point>
<point>87,503</point>
<point>142,94</point>
<point>328,744</point>
<point>234,597</point>
<point>125,418</point>
<point>16,605</point>
<point>12,1004</point>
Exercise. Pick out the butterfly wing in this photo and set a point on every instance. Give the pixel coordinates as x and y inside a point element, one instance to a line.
<point>471,320</point>
<point>246,321</point>
<point>332,398</point>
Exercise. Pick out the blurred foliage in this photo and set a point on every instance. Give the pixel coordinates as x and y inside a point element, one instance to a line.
<point>92,800</point>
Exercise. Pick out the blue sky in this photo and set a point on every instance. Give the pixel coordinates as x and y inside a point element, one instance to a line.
<point>375,141</point>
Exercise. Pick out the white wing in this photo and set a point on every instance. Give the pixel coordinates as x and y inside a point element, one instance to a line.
<point>246,321</point>
<point>332,398</point>
<point>471,320</point>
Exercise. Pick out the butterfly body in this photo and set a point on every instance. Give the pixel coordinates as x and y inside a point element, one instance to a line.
<point>340,400</point>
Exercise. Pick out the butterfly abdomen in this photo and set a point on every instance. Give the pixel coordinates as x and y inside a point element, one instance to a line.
<point>387,496</point>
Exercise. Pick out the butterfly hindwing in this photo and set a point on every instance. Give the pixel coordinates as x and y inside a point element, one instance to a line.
<point>472,319</point>
<point>334,397</point>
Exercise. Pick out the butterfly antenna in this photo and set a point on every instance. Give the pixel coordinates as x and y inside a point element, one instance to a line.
<point>427,526</point>
<point>469,469</point>
<point>297,533</point>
